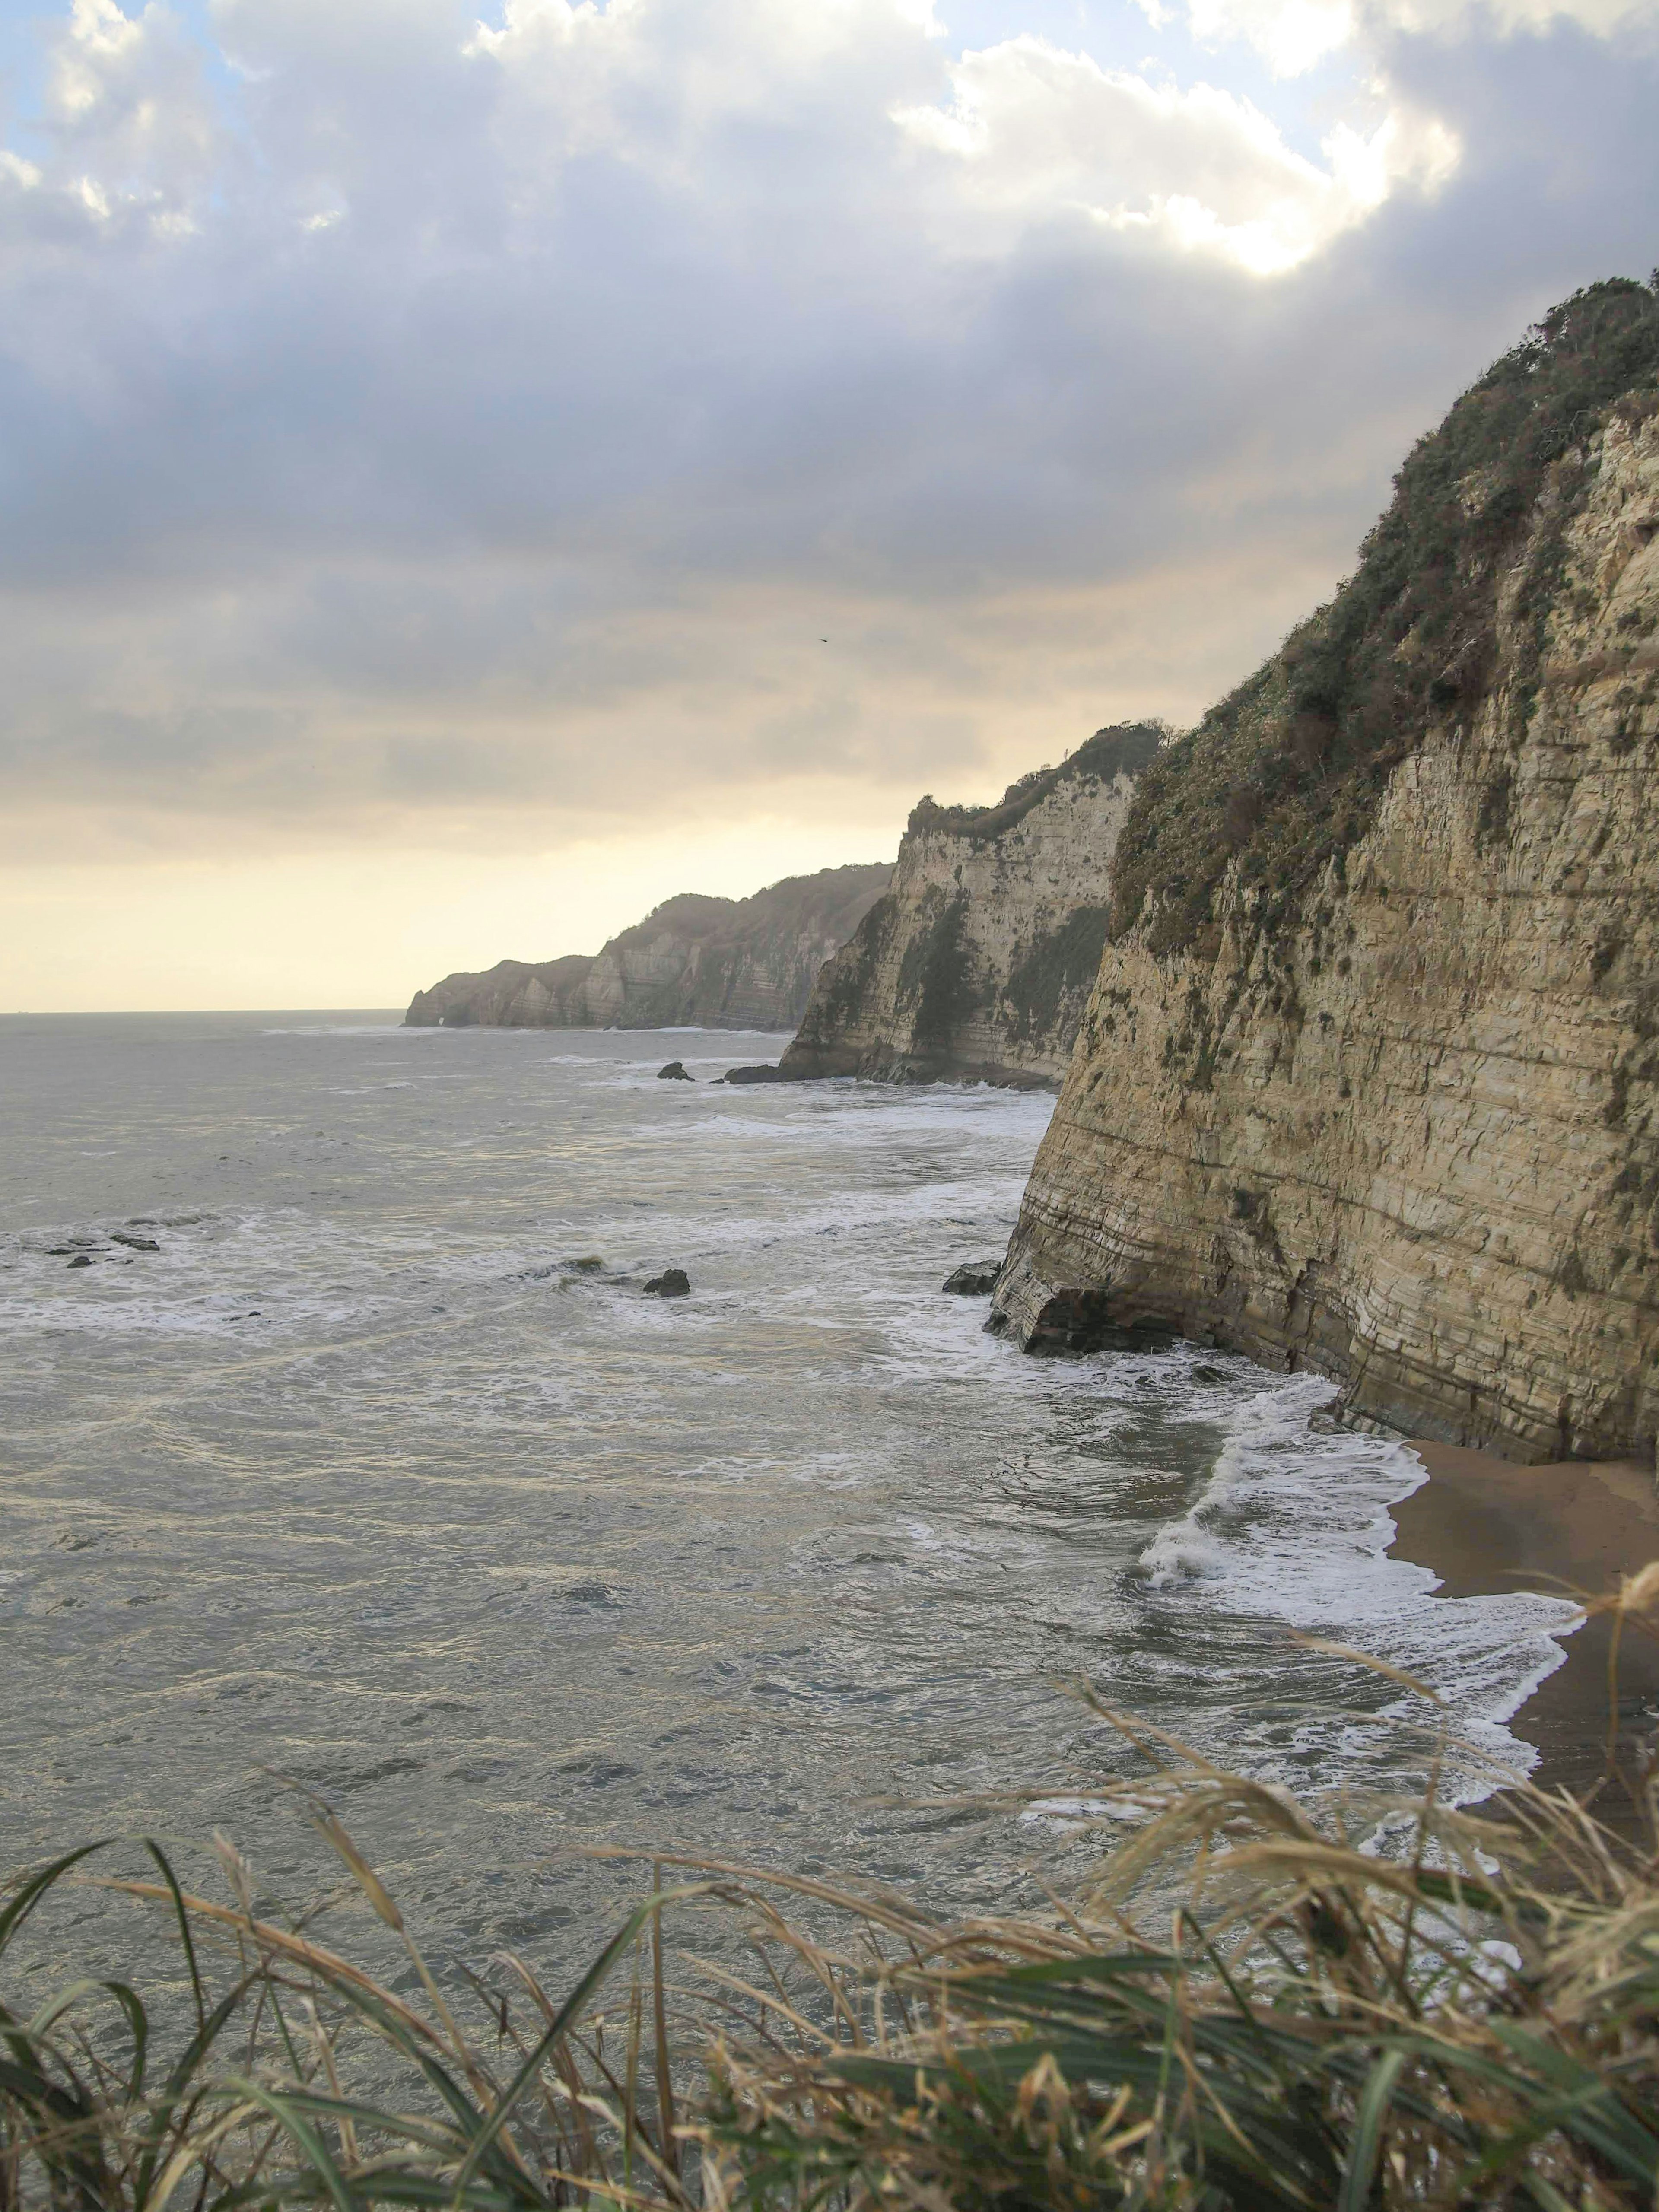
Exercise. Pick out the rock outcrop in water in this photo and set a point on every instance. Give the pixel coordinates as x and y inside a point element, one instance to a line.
<point>1367,1081</point>
<point>978,961</point>
<point>703,962</point>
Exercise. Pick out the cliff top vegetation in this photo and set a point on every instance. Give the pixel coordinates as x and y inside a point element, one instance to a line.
<point>790,903</point>
<point>1122,749</point>
<point>1287,771</point>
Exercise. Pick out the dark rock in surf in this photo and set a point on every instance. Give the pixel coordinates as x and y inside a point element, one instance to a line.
<point>1080,1319</point>
<point>674,1072</point>
<point>82,1260</point>
<point>976,1278</point>
<point>672,1283</point>
<point>136,1243</point>
<point>766,1073</point>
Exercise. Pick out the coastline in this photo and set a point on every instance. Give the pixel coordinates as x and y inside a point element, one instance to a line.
<point>1485,1527</point>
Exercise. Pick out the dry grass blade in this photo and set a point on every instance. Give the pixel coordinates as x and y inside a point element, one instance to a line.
<point>1373,1666</point>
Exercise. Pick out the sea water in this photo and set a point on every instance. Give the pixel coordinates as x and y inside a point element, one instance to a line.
<point>360,1483</point>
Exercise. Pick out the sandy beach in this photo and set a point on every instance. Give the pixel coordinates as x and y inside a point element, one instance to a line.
<point>1484,1526</point>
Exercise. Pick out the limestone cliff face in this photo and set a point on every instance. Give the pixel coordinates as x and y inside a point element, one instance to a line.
<point>978,960</point>
<point>1390,1111</point>
<point>706,962</point>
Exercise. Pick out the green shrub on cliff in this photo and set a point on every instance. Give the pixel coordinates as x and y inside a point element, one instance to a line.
<point>1287,771</point>
<point>1120,749</point>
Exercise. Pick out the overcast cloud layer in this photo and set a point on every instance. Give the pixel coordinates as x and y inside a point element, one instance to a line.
<point>495,433</point>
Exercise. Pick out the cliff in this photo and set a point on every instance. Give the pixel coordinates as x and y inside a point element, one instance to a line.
<point>978,960</point>
<point>1367,1079</point>
<point>703,962</point>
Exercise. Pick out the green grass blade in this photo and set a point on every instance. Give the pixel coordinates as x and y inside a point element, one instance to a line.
<point>1367,2140</point>
<point>179,2076</point>
<point>15,1914</point>
<point>306,2136</point>
<point>165,1866</point>
<point>560,2025</point>
<point>130,2004</point>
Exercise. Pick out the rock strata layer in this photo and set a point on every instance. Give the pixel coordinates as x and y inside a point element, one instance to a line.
<point>977,961</point>
<point>693,961</point>
<point>1367,1082</point>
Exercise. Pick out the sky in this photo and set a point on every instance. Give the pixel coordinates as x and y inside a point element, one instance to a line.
<point>466,478</point>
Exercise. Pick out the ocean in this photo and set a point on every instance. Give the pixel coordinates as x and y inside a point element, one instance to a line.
<point>357,1481</point>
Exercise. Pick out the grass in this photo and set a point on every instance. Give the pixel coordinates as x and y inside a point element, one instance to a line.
<point>1252,2002</point>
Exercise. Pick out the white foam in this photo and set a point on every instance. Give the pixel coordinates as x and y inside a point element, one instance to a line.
<point>1296,1527</point>
<point>1070,1814</point>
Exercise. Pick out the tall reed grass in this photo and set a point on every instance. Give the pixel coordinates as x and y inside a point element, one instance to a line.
<point>1324,2006</point>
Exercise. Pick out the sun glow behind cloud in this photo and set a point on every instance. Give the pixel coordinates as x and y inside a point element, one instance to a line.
<point>1040,132</point>
<point>596,426</point>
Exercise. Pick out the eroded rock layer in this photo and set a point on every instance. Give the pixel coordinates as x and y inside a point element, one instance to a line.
<point>977,961</point>
<point>1367,1081</point>
<point>706,962</point>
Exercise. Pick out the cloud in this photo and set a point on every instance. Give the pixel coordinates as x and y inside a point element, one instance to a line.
<point>474,429</point>
<point>1042,131</point>
<point>1293,36</point>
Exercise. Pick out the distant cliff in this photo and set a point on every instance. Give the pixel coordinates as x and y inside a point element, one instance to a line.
<point>978,959</point>
<point>1370,1078</point>
<point>707,963</point>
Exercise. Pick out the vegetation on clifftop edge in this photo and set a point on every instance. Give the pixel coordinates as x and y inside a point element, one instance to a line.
<point>1286,772</point>
<point>1342,2008</point>
<point>1121,749</point>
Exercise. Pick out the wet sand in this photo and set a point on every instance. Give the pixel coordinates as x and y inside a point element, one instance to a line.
<point>1569,1528</point>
